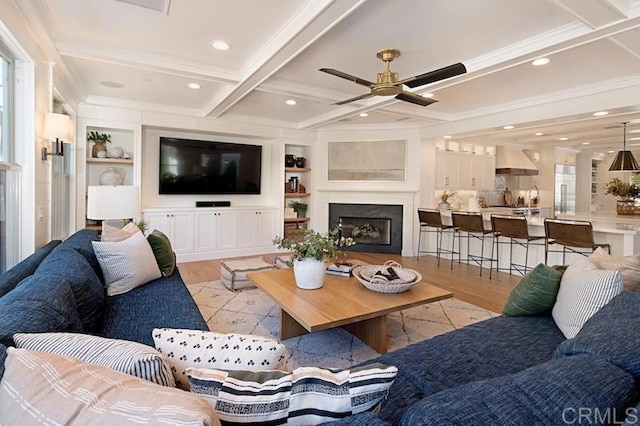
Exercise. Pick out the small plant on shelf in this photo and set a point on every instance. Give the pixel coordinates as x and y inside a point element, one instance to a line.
<point>299,207</point>
<point>625,191</point>
<point>98,137</point>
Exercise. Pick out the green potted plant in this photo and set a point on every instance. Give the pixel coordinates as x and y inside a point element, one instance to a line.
<point>310,254</point>
<point>299,207</point>
<point>99,141</point>
<point>626,192</point>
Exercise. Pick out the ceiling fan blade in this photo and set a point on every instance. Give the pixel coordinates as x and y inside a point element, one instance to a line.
<point>357,98</point>
<point>436,75</point>
<point>415,99</point>
<point>349,77</point>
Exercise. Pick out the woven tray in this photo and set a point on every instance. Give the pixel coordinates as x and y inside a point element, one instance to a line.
<point>369,276</point>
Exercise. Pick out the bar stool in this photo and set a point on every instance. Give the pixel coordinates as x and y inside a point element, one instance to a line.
<point>431,221</point>
<point>473,225</point>
<point>575,236</point>
<point>516,229</point>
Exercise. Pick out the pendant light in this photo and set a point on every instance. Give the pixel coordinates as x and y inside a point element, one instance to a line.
<point>624,160</point>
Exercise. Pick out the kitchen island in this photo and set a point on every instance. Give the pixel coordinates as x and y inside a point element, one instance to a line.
<point>620,232</point>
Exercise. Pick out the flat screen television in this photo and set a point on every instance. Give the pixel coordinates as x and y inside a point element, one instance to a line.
<point>204,167</point>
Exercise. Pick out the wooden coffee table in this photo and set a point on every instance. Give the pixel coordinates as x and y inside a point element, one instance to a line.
<point>341,302</point>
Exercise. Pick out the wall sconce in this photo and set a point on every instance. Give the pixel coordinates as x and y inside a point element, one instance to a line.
<point>58,127</point>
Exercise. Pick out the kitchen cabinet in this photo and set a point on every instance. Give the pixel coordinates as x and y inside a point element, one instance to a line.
<point>178,226</point>
<point>456,171</point>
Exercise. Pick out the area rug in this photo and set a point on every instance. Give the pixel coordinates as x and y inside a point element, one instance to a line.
<point>250,311</point>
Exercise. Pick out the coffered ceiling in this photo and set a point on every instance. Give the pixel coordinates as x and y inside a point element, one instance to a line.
<point>125,53</point>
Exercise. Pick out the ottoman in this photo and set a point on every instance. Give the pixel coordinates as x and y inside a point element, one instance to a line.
<point>281,261</point>
<point>233,273</point>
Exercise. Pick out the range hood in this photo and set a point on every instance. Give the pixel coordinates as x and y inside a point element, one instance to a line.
<point>511,161</point>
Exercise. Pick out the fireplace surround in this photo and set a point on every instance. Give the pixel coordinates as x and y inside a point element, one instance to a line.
<point>376,228</point>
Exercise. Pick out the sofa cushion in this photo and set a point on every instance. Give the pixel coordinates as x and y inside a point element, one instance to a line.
<point>611,334</point>
<point>553,393</point>
<point>629,266</point>
<point>126,264</point>
<point>88,291</point>
<point>38,304</point>
<point>165,302</point>
<point>492,348</point>
<point>11,278</point>
<point>163,252</point>
<point>308,395</point>
<point>584,289</point>
<point>3,357</point>
<point>362,419</point>
<point>120,355</point>
<point>207,349</point>
<point>42,388</point>
<point>80,241</point>
<point>536,292</point>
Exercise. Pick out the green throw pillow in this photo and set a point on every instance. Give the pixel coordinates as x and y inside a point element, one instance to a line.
<point>165,256</point>
<point>536,292</point>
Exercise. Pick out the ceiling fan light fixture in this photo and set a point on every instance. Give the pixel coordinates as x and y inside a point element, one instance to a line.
<point>624,160</point>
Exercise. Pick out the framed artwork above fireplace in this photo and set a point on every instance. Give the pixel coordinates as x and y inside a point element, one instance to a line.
<point>367,161</point>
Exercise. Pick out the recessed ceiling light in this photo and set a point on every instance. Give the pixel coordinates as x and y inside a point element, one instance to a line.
<point>538,134</point>
<point>194,86</point>
<point>363,114</point>
<point>427,95</point>
<point>220,45</point>
<point>564,139</point>
<point>611,152</point>
<point>112,84</point>
<point>540,61</point>
<point>447,136</point>
<point>585,143</point>
<point>290,102</point>
<point>600,113</point>
<point>509,127</point>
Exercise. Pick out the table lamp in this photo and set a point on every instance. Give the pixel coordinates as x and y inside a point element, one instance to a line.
<point>113,203</point>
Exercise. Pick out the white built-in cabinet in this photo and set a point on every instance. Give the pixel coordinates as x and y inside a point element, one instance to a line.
<point>464,171</point>
<point>178,226</point>
<point>214,233</point>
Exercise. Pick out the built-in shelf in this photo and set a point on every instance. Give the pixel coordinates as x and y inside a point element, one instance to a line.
<point>297,169</point>
<point>297,220</point>
<point>296,194</point>
<point>110,160</point>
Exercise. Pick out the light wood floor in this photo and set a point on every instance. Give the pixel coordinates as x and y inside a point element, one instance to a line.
<point>463,280</point>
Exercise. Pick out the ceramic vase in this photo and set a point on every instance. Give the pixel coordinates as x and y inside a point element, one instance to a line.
<point>112,176</point>
<point>309,273</point>
<point>289,160</point>
<point>98,146</point>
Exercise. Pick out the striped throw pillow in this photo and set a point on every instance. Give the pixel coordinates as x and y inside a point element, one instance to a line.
<point>41,388</point>
<point>127,357</point>
<point>308,395</point>
<point>126,264</point>
<point>584,289</point>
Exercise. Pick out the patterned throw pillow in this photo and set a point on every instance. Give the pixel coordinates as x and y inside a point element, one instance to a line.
<point>120,355</point>
<point>584,289</point>
<point>308,395</point>
<point>112,234</point>
<point>126,264</point>
<point>163,252</point>
<point>536,292</point>
<point>629,267</point>
<point>207,349</point>
<point>42,388</point>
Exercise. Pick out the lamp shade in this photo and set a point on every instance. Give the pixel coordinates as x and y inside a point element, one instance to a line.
<point>57,126</point>
<point>113,202</point>
<point>624,161</point>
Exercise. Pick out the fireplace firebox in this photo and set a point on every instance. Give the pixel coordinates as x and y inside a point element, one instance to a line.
<point>376,228</point>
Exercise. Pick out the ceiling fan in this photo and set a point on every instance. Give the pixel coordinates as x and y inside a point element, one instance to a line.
<point>389,85</point>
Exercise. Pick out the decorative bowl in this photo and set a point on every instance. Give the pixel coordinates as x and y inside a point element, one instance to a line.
<point>369,276</point>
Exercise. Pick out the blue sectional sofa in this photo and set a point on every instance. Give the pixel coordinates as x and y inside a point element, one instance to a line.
<point>59,288</point>
<point>506,370</point>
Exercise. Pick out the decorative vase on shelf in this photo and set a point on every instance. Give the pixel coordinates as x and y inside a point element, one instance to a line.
<point>625,207</point>
<point>300,162</point>
<point>289,160</point>
<point>112,176</point>
<point>98,146</point>
<point>309,273</point>
<point>116,152</point>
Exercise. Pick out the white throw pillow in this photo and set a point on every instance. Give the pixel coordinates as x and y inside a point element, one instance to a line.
<point>584,289</point>
<point>306,396</point>
<point>629,266</point>
<point>41,388</point>
<point>207,349</point>
<point>120,355</point>
<point>126,264</point>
